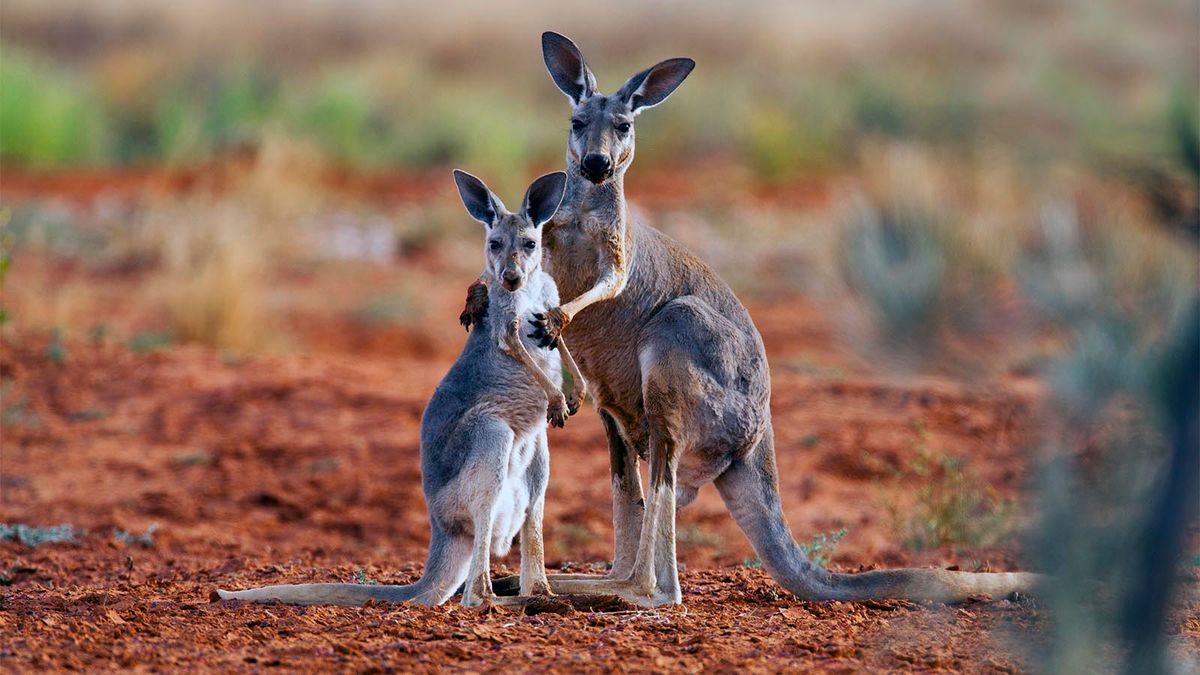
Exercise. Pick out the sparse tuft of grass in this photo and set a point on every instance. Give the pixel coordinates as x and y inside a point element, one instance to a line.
<point>149,341</point>
<point>360,577</point>
<point>16,413</point>
<point>36,536</point>
<point>953,508</point>
<point>820,548</point>
<point>194,458</point>
<point>145,539</point>
<point>87,415</point>
<point>698,537</point>
<point>386,309</point>
<point>99,334</point>
<point>56,350</point>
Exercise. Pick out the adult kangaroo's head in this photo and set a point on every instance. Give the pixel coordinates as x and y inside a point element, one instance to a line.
<point>601,140</point>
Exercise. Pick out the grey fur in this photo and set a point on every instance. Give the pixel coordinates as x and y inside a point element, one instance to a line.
<point>484,456</point>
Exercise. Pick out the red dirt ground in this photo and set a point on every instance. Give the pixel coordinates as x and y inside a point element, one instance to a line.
<point>304,467</point>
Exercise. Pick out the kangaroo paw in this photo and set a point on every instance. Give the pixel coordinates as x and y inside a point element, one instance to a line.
<point>476,305</point>
<point>574,401</point>
<point>556,412</point>
<point>549,326</point>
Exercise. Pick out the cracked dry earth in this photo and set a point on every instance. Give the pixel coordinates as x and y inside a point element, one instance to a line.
<point>274,469</point>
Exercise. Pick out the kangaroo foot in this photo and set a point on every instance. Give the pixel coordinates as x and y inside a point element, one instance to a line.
<point>511,585</point>
<point>625,589</point>
<point>564,604</point>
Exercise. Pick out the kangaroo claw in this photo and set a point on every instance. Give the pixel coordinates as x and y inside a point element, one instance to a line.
<point>556,413</point>
<point>475,306</point>
<point>551,323</point>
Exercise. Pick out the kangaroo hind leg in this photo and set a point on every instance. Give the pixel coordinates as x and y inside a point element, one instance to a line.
<point>533,557</point>
<point>478,485</point>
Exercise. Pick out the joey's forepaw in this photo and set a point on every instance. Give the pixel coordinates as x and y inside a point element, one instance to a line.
<point>548,327</point>
<point>475,306</point>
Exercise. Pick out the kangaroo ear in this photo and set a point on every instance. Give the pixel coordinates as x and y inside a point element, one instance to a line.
<point>479,200</point>
<point>566,66</point>
<point>543,197</point>
<point>654,84</point>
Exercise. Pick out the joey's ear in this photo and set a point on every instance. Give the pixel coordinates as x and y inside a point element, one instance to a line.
<point>479,200</point>
<point>566,66</point>
<point>654,84</point>
<point>543,197</point>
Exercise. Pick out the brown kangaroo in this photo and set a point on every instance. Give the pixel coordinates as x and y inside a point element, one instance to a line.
<point>677,369</point>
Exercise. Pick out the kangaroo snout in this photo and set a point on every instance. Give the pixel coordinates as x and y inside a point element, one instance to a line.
<point>596,167</point>
<point>512,280</point>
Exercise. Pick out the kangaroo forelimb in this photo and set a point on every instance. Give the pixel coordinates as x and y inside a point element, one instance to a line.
<point>556,410</point>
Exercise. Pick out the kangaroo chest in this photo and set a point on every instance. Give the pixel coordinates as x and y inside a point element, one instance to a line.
<point>603,337</point>
<point>571,258</point>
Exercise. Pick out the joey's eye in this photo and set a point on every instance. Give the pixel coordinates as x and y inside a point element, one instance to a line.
<point>576,125</point>
<point>530,245</point>
<point>495,245</point>
<point>624,127</point>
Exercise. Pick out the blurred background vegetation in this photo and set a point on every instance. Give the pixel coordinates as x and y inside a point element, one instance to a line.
<point>783,88</point>
<point>983,188</point>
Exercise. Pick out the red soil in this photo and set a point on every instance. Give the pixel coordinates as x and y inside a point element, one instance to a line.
<point>304,468</point>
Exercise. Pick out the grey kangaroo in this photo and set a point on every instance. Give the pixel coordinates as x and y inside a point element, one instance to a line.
<point>677,369</point>
<point>484,457</point>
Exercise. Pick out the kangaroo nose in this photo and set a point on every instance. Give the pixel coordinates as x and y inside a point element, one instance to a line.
<point>596,167</point>
<point>512,280</point>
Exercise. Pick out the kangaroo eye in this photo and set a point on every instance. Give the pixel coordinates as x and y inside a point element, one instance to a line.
<point>495,245</point>
<point>624,127</point>
<point>530,245</point>
<point>577,124</point>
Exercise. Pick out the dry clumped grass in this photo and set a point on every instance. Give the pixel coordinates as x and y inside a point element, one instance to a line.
<point>217,255</point>
<point>213,274</point>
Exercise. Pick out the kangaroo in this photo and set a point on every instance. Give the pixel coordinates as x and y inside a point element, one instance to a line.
<point>677,367</point>
<point>484,456</point>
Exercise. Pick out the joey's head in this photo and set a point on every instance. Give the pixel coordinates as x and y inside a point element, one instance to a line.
<point>600,145</point>
<point>514,240</point>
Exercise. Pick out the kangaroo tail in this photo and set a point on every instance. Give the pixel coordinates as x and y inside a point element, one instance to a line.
<point>750,488</point>
<point>325,594</point>
<point>445,571</point>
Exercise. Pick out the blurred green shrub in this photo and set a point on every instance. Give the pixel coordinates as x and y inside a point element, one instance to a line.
<point>346,121</point>
<point>48,117</point>
<point>896,260</point>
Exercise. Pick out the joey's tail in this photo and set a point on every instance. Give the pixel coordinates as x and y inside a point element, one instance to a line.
<point>750,488</point>
<point>445,571</point>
